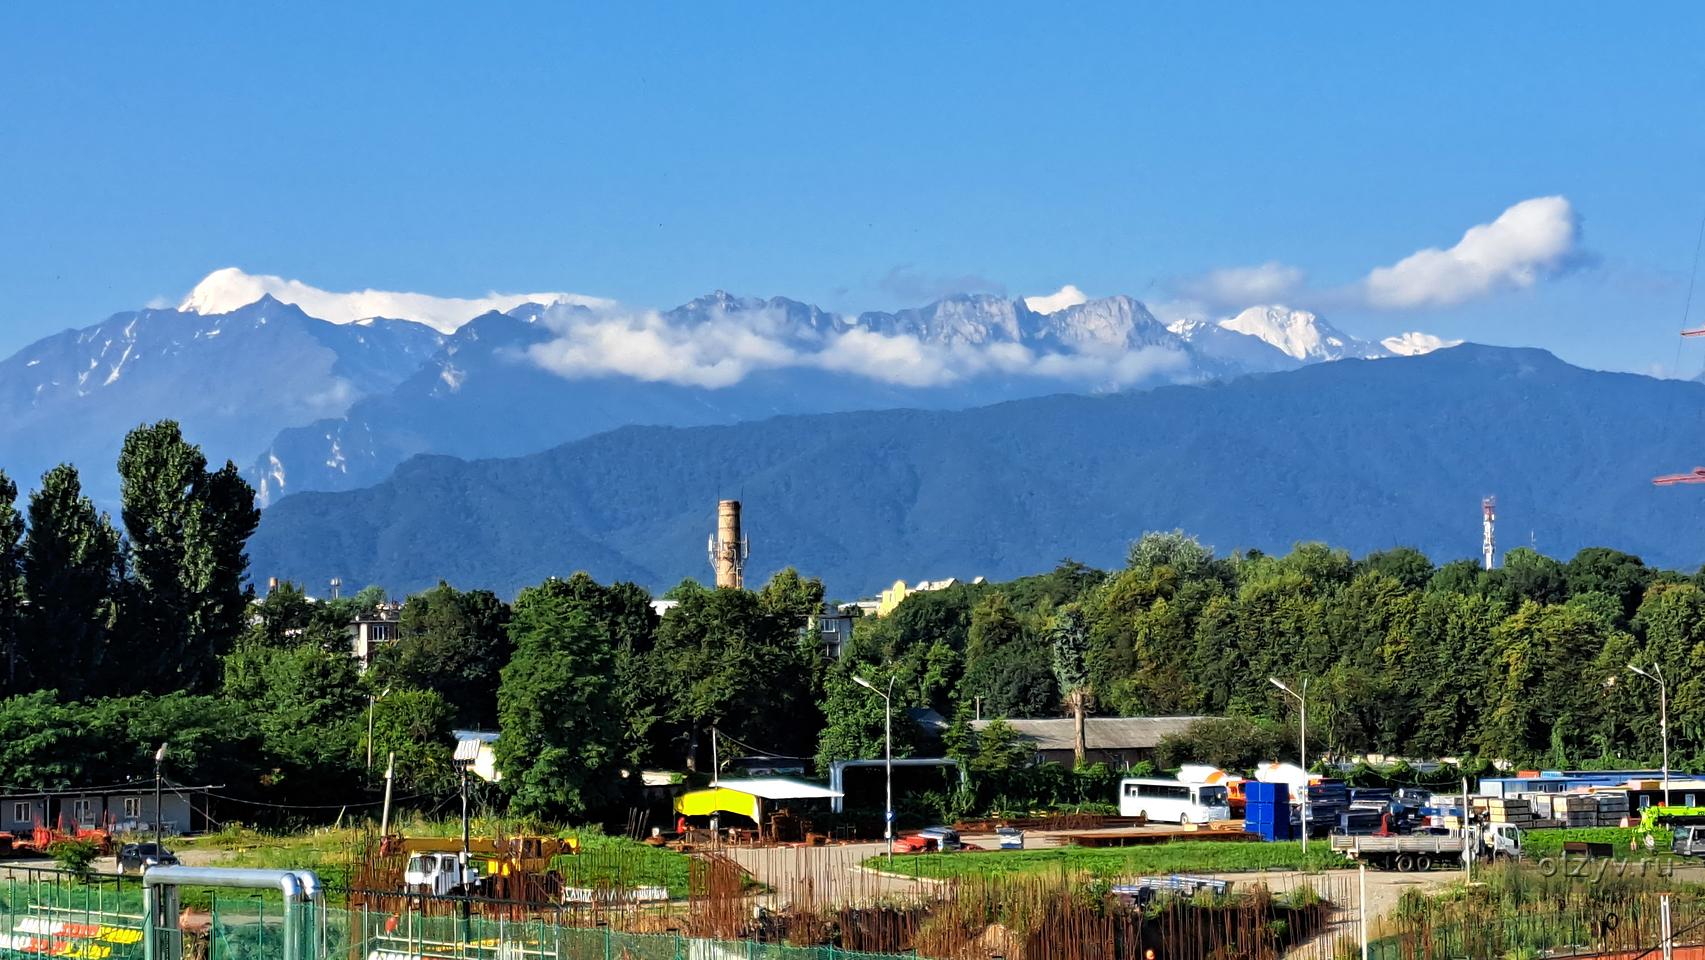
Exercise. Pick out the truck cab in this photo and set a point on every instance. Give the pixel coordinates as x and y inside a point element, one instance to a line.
<point>440,874</point>
<point>1501,840</point>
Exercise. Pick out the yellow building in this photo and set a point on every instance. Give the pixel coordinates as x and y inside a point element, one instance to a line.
<point>892,596</point>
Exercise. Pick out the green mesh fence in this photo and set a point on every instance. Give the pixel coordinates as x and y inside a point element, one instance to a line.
<point>254,930</point>
<point>49,915</point>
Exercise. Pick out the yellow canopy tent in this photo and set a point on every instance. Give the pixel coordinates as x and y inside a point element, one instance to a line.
<point>746,797</point>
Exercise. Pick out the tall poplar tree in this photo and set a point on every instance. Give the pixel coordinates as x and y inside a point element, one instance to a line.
<point>186,529</point>
<point>11,577</point>
<point>71,568</point>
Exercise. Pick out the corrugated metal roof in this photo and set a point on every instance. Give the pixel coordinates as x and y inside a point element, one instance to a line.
<point>1100,733</point>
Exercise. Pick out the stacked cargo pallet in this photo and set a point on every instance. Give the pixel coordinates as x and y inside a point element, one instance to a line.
<point>1513,811</point>
<point>1611,806</point>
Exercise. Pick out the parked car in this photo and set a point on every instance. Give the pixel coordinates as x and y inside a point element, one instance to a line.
<point>138,857</point>
<point>930,840</point>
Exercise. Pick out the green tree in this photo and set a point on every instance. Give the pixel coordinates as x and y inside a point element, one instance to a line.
<point>1230,743</point>
<point>1001,749</point>
<point>1183,553</point>
<point>280,618</point>
<point>1070,636</point>
<point>723,659</point>
<point>788,594</point>
<point>310,710</point>
<point>1406,565</point>
<point>560,742</point>
<point>1611,572</point>
<point>187,530</point>
<point>1006,664</point>
<point>11,576</point>
<point>71,581</point>
<point>854,717</point>
<point>452,643</point>
<point>414,726</point>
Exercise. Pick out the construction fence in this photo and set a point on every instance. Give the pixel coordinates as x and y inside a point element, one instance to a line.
<point>46,914</point>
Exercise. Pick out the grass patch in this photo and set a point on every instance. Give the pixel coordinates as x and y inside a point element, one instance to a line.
<point>619,862</point>
<point>603,861</point>
<point>1549,843</point>
<point>1178,856</point>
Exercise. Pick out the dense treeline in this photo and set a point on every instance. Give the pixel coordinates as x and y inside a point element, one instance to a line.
<point>1527,662</point>
<point>120,637</point>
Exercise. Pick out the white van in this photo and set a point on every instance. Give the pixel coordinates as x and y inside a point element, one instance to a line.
<point>1172,801</point>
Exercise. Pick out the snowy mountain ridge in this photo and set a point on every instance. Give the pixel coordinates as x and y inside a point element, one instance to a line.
<point>316,404</point>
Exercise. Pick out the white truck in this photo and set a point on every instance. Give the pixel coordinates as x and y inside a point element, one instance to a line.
<point>440,874</point>
<point>1423,851</point>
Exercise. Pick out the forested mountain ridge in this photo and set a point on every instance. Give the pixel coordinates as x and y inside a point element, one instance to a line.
<point>1363,454</point>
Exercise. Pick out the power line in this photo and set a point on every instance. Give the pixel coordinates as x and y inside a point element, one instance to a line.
<point>311,806</point>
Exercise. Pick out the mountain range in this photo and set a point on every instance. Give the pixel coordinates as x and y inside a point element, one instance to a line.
<point>306,404</point>
<point>1363,455</point>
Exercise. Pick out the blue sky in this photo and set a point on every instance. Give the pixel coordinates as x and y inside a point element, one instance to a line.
<point>859,156</point>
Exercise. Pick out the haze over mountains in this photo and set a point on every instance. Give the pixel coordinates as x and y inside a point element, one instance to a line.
<point>1363,455</point>
<point>335,404</point>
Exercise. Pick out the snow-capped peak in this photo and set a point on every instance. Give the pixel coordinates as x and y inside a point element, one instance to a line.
<point>223,291</point>
<point>1414,343</point>
<point>1300,334</point>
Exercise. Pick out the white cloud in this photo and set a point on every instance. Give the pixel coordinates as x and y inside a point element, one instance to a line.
<point>1415,343</point>
<point>1529,240</point>
<point>225,290</point>
<point>725,348</point>
<point>646,346</point>
<point>1241,286</point>
<point>1067,296</point>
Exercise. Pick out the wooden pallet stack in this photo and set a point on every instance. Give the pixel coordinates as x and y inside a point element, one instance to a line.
<point>1514,811</point>
<point>1550,810</point>
<point>1611,807</point>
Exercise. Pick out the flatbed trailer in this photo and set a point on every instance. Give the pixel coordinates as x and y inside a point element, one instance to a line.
<point>1401,853</point>
<point>1426,851</point>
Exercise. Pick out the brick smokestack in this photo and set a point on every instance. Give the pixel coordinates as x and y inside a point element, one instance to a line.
<point>728,548</point>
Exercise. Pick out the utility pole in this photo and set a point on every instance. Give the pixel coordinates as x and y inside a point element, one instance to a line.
<point>385,814</point>
<point>159,780</point>
<point>1468,839</point>
<point>715,761</point>
<point>1302,748</point>
<point>467,887</point>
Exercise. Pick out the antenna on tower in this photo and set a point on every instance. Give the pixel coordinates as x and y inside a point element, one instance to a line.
<point>728,547</point>
<point>1488,545</point>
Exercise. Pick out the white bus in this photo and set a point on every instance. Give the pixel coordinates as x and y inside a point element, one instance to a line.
<point>1169,801</point>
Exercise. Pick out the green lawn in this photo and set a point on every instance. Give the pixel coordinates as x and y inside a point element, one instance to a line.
<point>1549,843</point>
<point>603,861</point>
<point>620,862</point>
<point>1179,856</point>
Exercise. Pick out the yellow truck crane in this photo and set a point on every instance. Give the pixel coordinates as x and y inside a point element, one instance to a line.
<point>434,863</point>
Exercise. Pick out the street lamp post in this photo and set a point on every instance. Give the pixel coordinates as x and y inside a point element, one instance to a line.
<point>1302,747</point>
<point>887,754</point>
<point>1657,676</point>
<point>159,778</point>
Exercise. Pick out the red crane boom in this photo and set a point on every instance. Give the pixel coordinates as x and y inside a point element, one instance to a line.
<point>1696,475</point>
